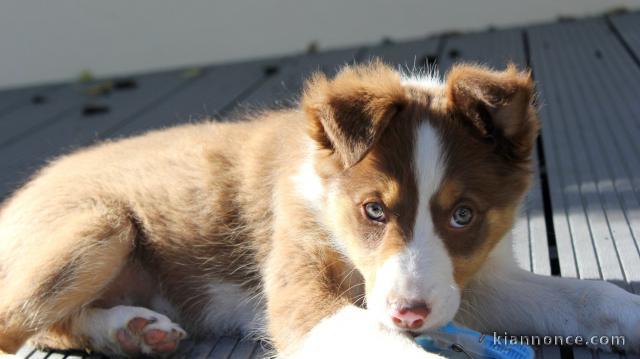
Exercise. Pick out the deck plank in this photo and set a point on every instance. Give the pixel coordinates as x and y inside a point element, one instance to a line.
<point>28,119</point>
<point>25,352</point>
<point>594,187</point>
<point>9,98</point>
<point>13,99</point>
<point>406,55</point>
<point>147,107</point>
<point>184,349</point>
<point>38,354</point>
<point>547,352</point>
<point>71,127</point>
<point>224,347</point>
<point>260,352</point>
<point>55,355</point>
<point>209,96</point>
<point>494,48</point>
<point>282,89</point>
<point>244,349</point>
<point>203,348</point>
<point>583,353</point>
<point>628,26</point>
<point>602,355</point>
<point>594,198</point>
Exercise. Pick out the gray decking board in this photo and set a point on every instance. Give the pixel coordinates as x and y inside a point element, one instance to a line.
<point>26,120</point>
<point>628,26</point>
<point>547,352</point>
<point>224,348</point>
<point>38,354</point>
<point>72,128</point>
<point>143,108</point>
<point>494,48</point>
<point>208,96</point>
<point>12,99</point>
<point>244,349</point>
<point>56,356</point>
<point>25,352</point>
<point>184,349</point>
<point>406,55</point>
<point>530,232</point>
<point>582,353</point>
<point>282,89</point>
<point>591,157</point>
<point>565,259</point>
<point>251,84</point>
<point>202,349</point>
<point>260,352</point>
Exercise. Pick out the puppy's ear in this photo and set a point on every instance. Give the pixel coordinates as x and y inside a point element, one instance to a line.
<point>496,103</point>
<point>348,114</point>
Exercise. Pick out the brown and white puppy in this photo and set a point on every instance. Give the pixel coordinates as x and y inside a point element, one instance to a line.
<point>333,229</point>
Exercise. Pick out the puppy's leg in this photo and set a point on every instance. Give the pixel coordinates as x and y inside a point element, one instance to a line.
<point>505,298</point>
<point>53,266</point>
<point>353,333</point>
<point>121,330</point>
<point>310,314</point>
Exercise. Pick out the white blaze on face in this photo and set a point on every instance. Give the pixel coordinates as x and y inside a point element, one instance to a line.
<point>423,270</point>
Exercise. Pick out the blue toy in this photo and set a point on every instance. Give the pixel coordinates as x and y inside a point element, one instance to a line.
<point>452,341</point>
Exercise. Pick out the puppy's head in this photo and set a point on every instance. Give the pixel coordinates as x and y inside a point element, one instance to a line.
<point>417,179</point>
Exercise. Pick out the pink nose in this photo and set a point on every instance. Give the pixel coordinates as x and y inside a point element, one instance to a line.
<point>410,316</point>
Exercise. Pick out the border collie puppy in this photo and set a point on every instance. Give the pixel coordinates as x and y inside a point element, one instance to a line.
<point>336,229</point>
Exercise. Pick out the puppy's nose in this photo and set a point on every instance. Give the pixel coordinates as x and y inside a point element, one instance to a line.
<point>410,316</point>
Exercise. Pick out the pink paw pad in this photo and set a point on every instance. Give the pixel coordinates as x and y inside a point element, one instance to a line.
<point>149,336</point>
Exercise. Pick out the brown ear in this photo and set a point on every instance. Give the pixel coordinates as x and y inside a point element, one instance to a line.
<point>347,114</point>
<point>498,104</point>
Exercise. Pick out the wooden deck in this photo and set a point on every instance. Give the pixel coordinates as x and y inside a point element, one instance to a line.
<point>582,217</point>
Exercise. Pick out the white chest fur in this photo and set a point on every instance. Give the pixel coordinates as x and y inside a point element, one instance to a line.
<point>232,308</point>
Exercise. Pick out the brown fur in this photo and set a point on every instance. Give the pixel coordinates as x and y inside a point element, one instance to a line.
<point>190,204</point>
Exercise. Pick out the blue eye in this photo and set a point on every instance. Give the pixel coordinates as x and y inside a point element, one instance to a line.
<point>374,211</point>
<point>461,217</point>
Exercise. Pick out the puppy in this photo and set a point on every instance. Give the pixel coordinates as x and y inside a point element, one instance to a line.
<point>335,229</point>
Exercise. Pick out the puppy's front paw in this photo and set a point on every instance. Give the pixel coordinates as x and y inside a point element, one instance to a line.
<point>613,321</point>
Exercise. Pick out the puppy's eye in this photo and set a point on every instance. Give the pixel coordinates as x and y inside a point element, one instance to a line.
<point>461,217</point>
<point>374,211</point>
